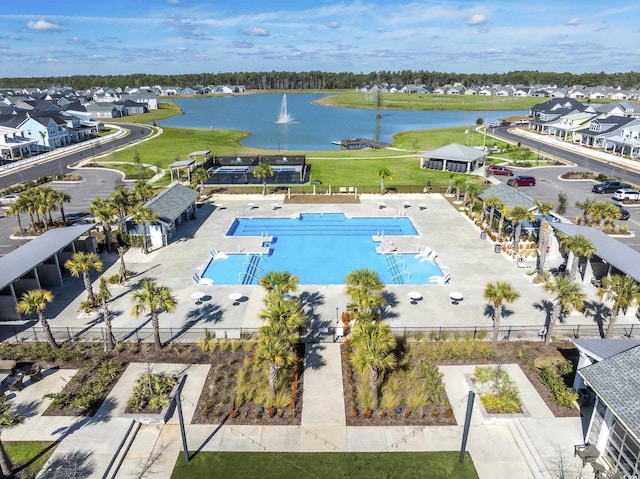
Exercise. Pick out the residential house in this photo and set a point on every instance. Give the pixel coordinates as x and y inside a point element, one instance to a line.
<point>627,142</point>
<point>613,433</point>
<point>600,129</point>
<point>49,129</point>
<point>187,91</point>
<point>14,145</point>
<point>103,110</point>
<point>133,108</point>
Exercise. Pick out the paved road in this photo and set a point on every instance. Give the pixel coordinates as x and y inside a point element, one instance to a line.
<point>59,165</point>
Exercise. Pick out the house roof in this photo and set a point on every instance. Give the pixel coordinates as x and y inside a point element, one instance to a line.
<point>600,349</point>
<point>617,254</point>
<point>456,152</point>
<point>16,263</point>
<point>510,197</point>
<point>172,202</point>
<point>616,381</point>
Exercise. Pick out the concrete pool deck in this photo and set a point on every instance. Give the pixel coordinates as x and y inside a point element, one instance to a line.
<point>470,260</point>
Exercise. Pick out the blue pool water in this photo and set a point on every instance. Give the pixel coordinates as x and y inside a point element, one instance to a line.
<point>321,249</point>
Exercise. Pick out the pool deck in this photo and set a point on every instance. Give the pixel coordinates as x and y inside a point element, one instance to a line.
<point>470,260</point>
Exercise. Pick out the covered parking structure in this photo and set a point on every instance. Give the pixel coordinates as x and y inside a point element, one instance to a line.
<point>454,157</point>
<point>232,170</point>
<point>612,256</point>
<point>39,264</point>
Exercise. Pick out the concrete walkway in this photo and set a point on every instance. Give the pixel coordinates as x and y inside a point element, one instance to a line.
<point>527,445</point>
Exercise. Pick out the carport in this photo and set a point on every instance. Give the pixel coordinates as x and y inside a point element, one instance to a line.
<point>612,256</point>
<point>39,264</point>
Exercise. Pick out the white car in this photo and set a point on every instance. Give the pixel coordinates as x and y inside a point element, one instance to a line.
<point>7,200</point>
<point>626,194</point>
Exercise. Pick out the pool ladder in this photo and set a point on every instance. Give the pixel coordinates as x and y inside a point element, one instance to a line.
<point>249,270</point>
<point>393,266</point>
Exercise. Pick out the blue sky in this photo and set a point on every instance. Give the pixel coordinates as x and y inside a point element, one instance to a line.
<point>53,38</point>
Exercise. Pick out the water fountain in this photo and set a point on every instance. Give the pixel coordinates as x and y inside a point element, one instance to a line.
<point>284,116</point>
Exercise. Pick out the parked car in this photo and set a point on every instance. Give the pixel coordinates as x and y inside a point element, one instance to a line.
<point>626,195</point>
<point>522,121</point>
<point>609,186</point>
<point>7,200</point>
<point>624,213</point>
<point>522,180</point>
<point>500,170</point>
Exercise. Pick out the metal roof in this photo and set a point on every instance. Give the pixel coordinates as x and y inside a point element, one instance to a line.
<point>455,152</point>
<point>15,264</point>
<point>619,255</point>
<point>600,349</point>
<point>616,381</point>
<point>510,197</point>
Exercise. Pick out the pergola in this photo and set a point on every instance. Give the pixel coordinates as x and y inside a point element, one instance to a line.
<point>178,165</point>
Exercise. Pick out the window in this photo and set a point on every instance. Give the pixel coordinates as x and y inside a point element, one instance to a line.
<point>622,450</point>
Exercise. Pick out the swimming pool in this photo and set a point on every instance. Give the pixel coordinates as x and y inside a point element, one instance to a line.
<point>321,249</point>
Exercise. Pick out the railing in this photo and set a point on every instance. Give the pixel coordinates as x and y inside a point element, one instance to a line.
<point>397,278</point>
<point>34,333</point>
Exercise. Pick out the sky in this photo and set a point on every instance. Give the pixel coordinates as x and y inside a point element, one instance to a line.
<point>69,37</point>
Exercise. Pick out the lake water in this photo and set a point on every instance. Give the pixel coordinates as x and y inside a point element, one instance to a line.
<point>313,127</point>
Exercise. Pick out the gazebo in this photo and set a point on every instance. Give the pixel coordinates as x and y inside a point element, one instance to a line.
<point>453,157</point>
<point>182,164</point>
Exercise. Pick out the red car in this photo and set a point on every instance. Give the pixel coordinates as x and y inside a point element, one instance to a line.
<point>522,180</point>
<point>500,170</point>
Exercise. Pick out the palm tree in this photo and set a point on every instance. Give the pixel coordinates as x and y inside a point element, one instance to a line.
<point>365,289</point>
<point>585,206</point>
<point>143,216</point>
<point>153,299</point>
<point>275,352</point>
<point>14,210</point>
<point>567,295</point>
<point>121,199</point>
<point>138,161</point>
<point>286,314</point>
<point>372,351</point>
<point>498,294</point>
<point>544,234</point>
<point>280,282</point>
<point>104,211</point>
<point>122,270</point>
<point>261,171</point>
<point>199,176</point>
<point>492,203</point>
<point>579,246</point>
<point>604,213</point>
<point>459,182</point>
<point>383,174</point>
<point>142,191</point>
<point>504,213</point>
<point>62,197</point>
<point>518,214</point>
<point>35,301</point>
<point>103,297</point>
<point>624,291</point>
<point>471,195</point>
<point>82,263</point>
<point>8,418</point>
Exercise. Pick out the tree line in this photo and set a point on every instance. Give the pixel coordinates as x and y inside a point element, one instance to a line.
<point>317,80</point>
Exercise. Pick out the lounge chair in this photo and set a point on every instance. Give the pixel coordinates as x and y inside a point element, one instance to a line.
<point>440,279</point>
<point>427,251</point>
<point>430,257</point>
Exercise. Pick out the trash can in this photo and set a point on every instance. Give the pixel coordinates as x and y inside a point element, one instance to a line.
<point>483,235</point>
<point>497,248</point>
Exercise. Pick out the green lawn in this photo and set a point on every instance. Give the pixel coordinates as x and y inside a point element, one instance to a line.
<point>419,101</point>
<point>396,465</point>
<point>29,455</point>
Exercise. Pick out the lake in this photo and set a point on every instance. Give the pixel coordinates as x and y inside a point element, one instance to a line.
<point>312,126</point>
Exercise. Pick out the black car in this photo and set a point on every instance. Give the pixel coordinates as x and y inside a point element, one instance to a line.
<point>624,213</point>
<point>609,186</point>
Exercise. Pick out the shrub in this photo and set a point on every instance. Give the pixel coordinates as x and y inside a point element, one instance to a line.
<point>151,390</point>
<point>552,377</point>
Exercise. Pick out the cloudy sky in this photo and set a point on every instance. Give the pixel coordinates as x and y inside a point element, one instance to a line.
<point>52,38</point>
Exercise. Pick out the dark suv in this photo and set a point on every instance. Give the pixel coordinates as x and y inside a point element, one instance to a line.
<point>624,213</point>
<point>522,180</point>
<point>609,186</point>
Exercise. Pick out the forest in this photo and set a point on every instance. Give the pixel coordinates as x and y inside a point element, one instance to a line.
<point>317,80</point>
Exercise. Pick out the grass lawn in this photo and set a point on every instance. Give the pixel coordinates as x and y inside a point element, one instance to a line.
<point>419,101</point>
<point>397,465</point>
<point>29,456</point>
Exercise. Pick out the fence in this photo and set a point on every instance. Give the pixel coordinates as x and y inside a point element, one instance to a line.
<point>34,333</point>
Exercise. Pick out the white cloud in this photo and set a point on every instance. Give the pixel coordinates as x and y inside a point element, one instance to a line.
<point>574,21</point>
<point>44,26</point>
<point>180,50</point>
<point>173,2</point>
<point>256,32</point>
<point>333,25</point>
<point>476,19</point>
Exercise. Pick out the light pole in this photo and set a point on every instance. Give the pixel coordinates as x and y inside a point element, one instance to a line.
<point>538,160</point>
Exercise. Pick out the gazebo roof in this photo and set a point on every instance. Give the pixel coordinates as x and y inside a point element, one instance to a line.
<point>181,164</point>
<point>456,152</point>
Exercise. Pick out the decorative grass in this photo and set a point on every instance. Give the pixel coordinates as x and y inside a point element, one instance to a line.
<point>29,457</point>
<point>399,465</point>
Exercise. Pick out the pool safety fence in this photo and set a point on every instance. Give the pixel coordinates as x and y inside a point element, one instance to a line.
<point>34,333</point>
